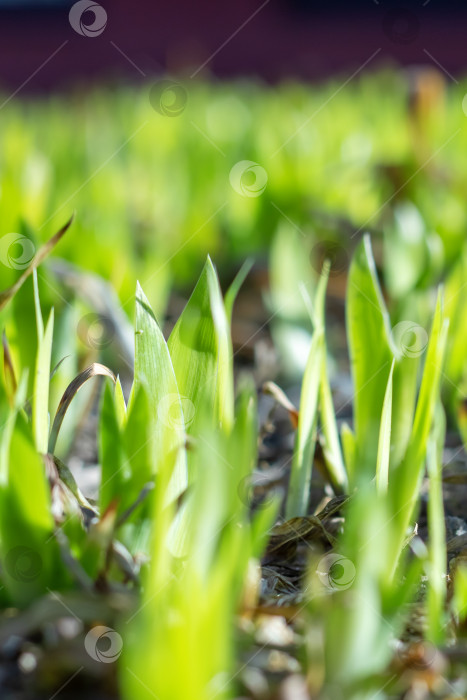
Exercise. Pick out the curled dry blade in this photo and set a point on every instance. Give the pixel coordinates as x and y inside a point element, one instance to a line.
<point>285,536</point>
<point>92,371</point>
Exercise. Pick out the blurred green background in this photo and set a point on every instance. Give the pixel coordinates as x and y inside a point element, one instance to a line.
<point>152,193</point>
<point>162,174</point>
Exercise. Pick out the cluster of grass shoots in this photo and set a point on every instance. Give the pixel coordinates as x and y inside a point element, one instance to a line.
<point>173,458</point>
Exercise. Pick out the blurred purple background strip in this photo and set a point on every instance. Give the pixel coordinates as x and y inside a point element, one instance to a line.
<point>269,39</point>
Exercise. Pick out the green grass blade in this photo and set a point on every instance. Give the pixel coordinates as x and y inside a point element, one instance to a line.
<point>331,444</point>
<point>40,399</point>
<point>459,599</point>
<point>37,305</point>
<point>368,331</point>
<point>404,484</point>
<point>243,442</point>
<point>233,290</point>
<point>120,403</point>
<point>111,455</point>
<point>357,635</point>
<point>302,462</point>
<point>384,444</point>
<point>305,441</point>
<point>456,310</point>
<point>154,371</point>
<point>199,600</point>
<point>201,350</point>
<point>29,552</point>
<point>349,450</point>
<point>437,533</point>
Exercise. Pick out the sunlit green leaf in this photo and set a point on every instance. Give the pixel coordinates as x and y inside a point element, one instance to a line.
<point>201,350</point>
<point>384,444</point>
<point>168,412</point>
<point>40,399</point>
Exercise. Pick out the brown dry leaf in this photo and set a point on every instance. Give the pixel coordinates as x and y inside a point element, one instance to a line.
<point>332,507</point>
<point>41,254</point>
<point>278,395</point>
<point>92,371</point>
<point>274,583</point>
<point>455,479</point>
<point>456,544</point>
<point>287,535</point>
